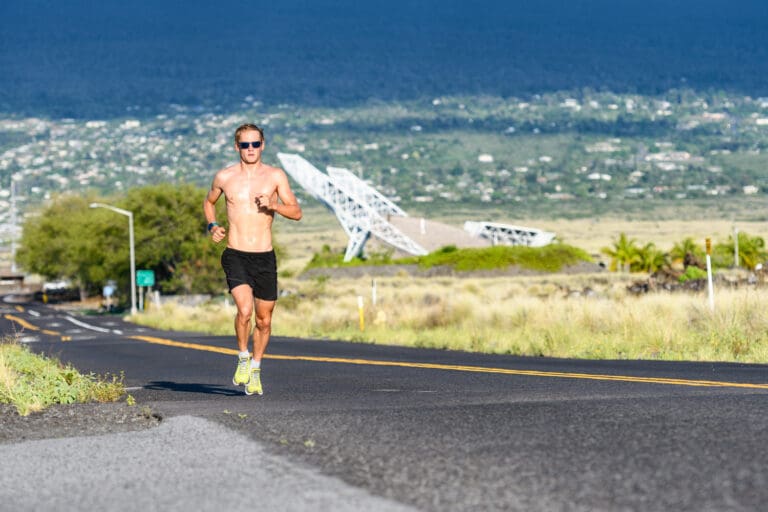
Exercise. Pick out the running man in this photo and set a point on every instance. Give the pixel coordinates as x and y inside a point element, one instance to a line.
<point>253,192</point>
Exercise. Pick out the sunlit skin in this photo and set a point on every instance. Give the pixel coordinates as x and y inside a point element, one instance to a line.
<point>254,192</point>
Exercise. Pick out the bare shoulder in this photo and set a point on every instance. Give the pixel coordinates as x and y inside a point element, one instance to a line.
<point>223,174</point>
<point>273,170</point>
<point>275,173</point>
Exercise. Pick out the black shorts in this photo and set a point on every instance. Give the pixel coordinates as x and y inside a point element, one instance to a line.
<point>256,269</point>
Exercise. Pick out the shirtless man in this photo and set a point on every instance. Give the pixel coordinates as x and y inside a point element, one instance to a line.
<point>251,190</point>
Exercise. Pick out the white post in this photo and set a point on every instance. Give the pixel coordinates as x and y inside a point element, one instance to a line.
<point>710,287</point>
<point>132,251</point>
<point>361,312</point>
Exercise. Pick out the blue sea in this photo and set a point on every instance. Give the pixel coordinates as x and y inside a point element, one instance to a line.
<point>99,59</point>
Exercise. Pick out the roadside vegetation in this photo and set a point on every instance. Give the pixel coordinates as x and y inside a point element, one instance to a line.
<point>579,316</point>
<point>550,314</point>
<point>171,241</point>
<point>550,258</point>
<point>32,382</point>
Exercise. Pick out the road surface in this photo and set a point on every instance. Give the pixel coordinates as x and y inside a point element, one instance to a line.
<point>441,430</point>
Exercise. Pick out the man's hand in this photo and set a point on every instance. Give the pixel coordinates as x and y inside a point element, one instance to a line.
<point>218,233</point>
<point>266,203</point>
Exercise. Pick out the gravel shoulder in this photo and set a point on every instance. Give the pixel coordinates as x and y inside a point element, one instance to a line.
<point>72,420</point>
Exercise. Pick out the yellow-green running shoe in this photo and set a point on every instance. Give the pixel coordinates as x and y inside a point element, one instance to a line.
<point>254,383</point>
<point>243,372</point>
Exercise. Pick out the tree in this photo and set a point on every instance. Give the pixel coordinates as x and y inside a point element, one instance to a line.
<point>62,242</point>
<point>623,254</point>
<point>649,259</point>
<point>751,251</point>
<point>687,249</point>
<point>171,238</point>
<point>90,246</point>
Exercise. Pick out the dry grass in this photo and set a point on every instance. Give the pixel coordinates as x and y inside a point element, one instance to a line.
<point>592,235</point>
<point>551,316</point>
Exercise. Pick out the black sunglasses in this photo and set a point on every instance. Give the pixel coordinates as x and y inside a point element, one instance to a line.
<point>244,145</point>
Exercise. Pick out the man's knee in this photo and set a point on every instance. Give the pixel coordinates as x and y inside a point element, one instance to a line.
<point>263,322</point>
<point>244,314</point>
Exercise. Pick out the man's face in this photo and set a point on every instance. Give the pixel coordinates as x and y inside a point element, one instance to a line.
<point>248,153</point>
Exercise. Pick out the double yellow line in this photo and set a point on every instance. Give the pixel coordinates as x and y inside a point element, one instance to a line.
<point>460,368</point>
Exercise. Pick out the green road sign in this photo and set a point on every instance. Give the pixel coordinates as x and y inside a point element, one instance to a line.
<point>145,277</point>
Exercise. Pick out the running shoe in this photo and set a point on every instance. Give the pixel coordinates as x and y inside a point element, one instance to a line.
<point>242,374</point>
<point>254,384</point>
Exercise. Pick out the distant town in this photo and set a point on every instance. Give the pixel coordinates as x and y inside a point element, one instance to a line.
<point>482,151</point>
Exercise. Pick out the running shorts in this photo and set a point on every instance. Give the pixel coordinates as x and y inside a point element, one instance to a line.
<point>256,269</point>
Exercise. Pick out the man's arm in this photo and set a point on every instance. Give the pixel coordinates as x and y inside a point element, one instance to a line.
<point>209,210</point>
<point>288,206</point>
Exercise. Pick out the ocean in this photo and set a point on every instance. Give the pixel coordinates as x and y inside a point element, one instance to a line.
<point>85,59</point>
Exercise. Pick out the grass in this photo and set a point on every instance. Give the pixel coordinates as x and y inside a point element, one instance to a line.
<point>32,382</point>
<point>557,316</point>
<point>550,258</point>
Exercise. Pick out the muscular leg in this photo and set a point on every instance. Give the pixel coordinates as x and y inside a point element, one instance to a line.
<point>243,296</point>
<point>263,328</point>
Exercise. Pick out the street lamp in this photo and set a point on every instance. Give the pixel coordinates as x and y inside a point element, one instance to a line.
<point>14,220</point>
<point>133,256</point>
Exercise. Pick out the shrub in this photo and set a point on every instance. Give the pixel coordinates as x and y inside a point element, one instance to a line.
<point>693,273</point>
<point>32,382</point>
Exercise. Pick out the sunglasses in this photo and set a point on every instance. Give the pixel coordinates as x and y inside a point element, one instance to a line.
<point>244,145</point>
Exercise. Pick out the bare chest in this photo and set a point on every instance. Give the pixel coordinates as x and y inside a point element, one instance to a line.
<point>242,190</point>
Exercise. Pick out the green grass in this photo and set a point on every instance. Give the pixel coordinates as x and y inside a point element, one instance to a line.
<point>32,382</point>
<point>550,258</point>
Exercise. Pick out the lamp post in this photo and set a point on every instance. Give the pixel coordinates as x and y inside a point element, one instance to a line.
<point>14,220</point>
<point>133,255</point>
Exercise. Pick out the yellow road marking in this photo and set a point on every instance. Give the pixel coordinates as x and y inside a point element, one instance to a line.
<point>22,322</point>
<point>31,327</point>
<point>181,344</point>
<point>20,309</point>
<point>477,369</point>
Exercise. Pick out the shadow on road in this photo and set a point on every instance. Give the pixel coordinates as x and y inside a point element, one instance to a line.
<point>192,388</point>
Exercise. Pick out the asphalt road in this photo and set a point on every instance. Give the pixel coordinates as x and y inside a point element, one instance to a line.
<point>439,430</point>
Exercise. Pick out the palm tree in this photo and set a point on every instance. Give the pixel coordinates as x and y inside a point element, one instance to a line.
<point>623,253</point>
<point>751,250</point>
<point>650,259</point>
<point>686,247</point>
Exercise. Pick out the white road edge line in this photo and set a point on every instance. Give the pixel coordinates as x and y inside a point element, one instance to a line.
<point>85,325</point>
